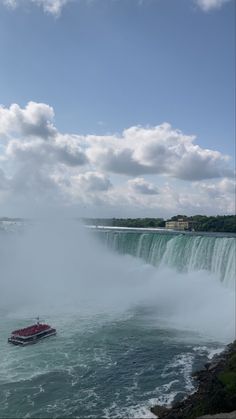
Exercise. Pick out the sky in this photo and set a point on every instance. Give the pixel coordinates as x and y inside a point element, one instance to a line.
<point>116,108</point>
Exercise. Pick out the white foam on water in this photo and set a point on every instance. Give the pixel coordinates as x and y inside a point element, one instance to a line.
<point>143,410</point>
<point>167,386</point>
<point>181,366</point>
<point>208,351</point>
<point>164,399</point>
<point>131,412</point>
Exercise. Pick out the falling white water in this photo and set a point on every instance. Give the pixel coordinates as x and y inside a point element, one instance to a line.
<point>186,253</point>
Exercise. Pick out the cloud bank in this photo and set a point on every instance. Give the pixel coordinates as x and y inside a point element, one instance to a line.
<point>158,150</point>
<point>143,167</point>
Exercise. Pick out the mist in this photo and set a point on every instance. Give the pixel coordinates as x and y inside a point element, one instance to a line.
<point>60,269</point>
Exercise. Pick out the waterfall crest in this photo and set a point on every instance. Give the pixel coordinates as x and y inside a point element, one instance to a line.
<point>183,252</point>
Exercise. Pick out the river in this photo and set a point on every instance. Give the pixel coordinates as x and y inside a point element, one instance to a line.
<point>136,312</point>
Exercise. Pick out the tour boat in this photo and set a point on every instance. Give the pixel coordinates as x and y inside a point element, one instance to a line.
<point>31,334</point>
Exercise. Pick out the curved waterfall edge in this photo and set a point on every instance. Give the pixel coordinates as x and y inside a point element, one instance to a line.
<point>185,253</point>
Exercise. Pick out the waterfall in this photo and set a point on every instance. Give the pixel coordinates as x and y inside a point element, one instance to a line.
<point>184,252</point>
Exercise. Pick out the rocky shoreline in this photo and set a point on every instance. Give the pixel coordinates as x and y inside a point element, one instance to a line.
<point>216,393</point>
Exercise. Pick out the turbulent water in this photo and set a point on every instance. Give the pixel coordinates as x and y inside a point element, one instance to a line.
<point>134,318</point>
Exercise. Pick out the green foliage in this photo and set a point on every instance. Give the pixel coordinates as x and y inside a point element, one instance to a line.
<point>177,217</point>
<point>220,223</point>
<point>228,376</point>
<point>197,411</point>
<point>232,362</point>
<point>228,379</point>
<point>127,222</point>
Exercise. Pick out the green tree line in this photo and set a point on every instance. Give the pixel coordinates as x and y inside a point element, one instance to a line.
<point>219,223</point>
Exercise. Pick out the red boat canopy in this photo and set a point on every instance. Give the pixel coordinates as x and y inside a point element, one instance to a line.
<point>31,330</point>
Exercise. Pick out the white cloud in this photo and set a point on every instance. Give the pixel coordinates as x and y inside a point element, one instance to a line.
<point>140,185</point>
<point>91,182</point>
<point>40,164</point>
<point>215,198</point>
<point>53,7</point>
<point>31,137</point>
<point>171,199</point>
<point>36,119</point>
<point>221,189</point>
<point>207,5</point>
<point>156,150</point>
<point>63,149</point>
<point>227,186</point>
<point>34,152</point>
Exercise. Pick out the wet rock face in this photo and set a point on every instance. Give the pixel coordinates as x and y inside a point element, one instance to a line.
<point>216,391</point>
<point>159,411</point>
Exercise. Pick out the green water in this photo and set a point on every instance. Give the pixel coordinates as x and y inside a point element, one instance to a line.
<point>129,334</point>
<point>105,367</point>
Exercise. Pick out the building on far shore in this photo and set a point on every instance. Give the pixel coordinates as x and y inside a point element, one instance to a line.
<point>180,224</point>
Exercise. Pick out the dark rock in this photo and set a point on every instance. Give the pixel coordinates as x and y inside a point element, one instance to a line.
<point>213,394</point>
<point>213,365</point>
<point>159,410</point>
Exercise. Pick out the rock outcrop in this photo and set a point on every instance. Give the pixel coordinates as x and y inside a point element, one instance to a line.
<point>216,391</point>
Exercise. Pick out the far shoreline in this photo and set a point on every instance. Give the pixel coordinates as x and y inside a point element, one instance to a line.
<point>162,230</point>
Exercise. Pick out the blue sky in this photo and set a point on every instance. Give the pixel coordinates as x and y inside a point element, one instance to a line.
<point>105,66</point>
